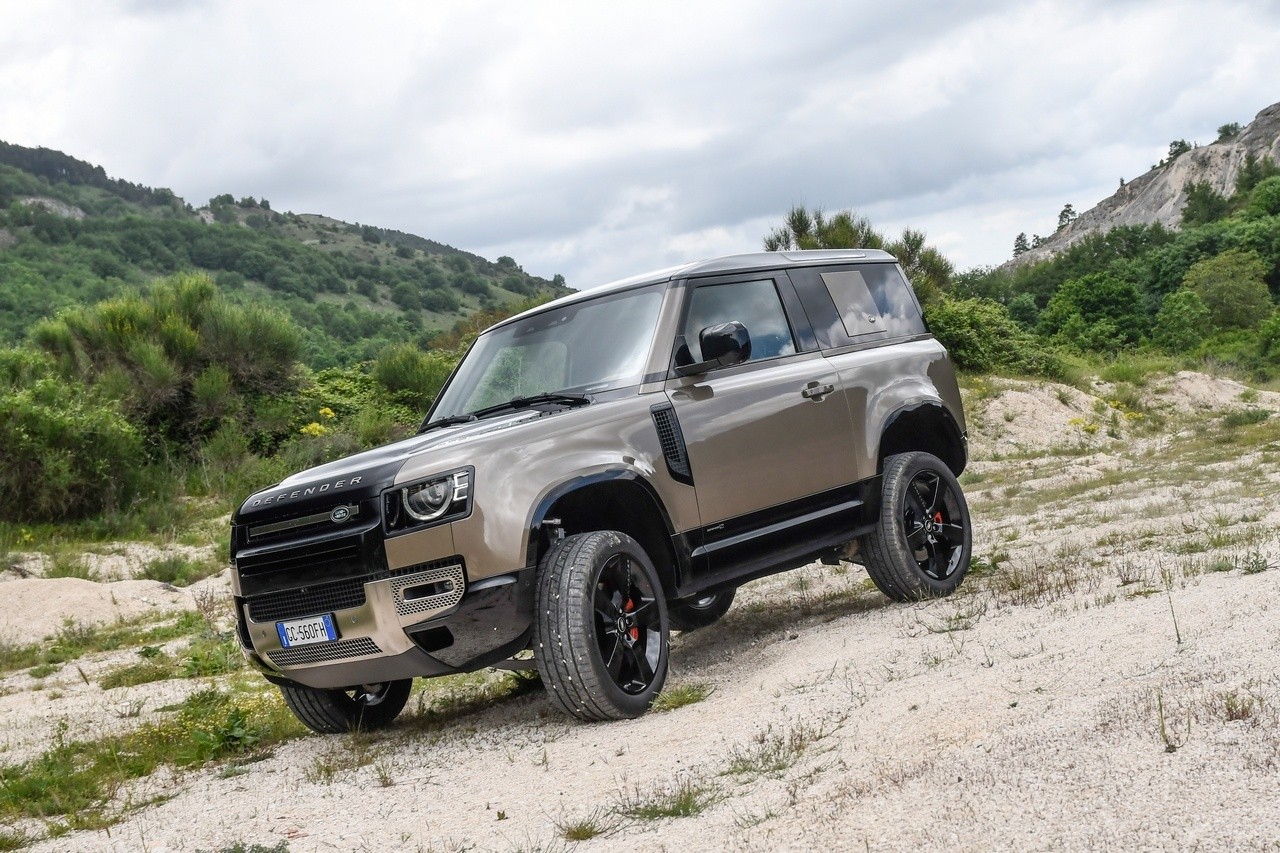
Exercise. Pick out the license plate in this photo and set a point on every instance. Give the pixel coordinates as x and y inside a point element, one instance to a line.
<point>304,632</point>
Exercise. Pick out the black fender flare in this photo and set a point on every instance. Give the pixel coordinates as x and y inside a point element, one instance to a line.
<point>540,512</point>
<point>955,436</point>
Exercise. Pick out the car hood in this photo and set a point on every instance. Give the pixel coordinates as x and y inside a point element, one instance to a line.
<point>362,476</point>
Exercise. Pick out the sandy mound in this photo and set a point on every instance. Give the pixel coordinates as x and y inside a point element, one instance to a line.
<point>38,607</point>
<point>1037,416</point>
<point>1195,392</point>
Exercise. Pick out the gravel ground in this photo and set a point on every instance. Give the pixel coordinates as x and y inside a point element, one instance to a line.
<point>1106,679</point>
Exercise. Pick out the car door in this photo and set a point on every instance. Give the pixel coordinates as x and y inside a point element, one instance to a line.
<point>768,439</point>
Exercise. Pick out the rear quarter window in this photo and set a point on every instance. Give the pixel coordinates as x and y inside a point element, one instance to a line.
<point>861,304</point>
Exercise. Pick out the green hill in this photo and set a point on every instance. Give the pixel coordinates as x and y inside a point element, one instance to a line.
<point>71,235</point>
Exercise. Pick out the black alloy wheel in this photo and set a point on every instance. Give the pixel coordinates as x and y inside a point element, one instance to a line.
<point>627,626</point>
<point>931,520</point>
<point>600,637</point>
<point>922,542</point>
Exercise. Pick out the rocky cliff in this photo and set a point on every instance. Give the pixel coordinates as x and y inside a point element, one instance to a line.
<point>1160,194</point>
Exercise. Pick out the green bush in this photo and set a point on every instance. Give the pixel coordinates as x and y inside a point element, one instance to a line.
<point>1232,287</point>
<point>1182,322</point>
<point>1265,198</point>
<point>1269,336</point>
<point>179,358</point>
<point>67,453</point>
<point>982,337</point>
<point>1098,312</point>
<point>412,376</point>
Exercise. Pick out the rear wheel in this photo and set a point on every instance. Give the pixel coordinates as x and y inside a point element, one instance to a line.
<point>363,708</point>
<point>702,611</point>
<point>600,636</point>
<point>921,545</point>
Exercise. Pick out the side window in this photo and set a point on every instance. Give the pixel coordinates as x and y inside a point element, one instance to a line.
<point>754,304</point>
<point>874,300</point>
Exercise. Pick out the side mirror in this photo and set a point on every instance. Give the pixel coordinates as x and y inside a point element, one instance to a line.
<point>722,345</point>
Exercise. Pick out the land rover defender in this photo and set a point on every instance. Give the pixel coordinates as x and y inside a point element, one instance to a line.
<point>606,468</point>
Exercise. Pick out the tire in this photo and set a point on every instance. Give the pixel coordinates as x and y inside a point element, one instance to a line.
<point>364,708</point>
<point>600,637</point>
<point>700,612</point>
<point>923,539</point>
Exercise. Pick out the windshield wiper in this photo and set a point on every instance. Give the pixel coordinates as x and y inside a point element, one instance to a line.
<point>514,403</point>
<point>452,420</point>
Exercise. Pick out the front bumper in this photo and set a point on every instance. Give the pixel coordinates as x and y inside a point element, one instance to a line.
<point>424,619</point>
<point>489,623</point>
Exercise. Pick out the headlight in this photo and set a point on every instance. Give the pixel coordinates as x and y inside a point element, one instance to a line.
<point>443,497</point>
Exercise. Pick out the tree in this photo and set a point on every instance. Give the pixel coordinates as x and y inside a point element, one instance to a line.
<point>1232,287</point>
<point>1204,205</point>
<point>1253,172</point>
<point>1024,310</point>
<point>1265,198</point>
<point>1066,216</point>
<point>805,230</point>
<point>1177,148</point>
<point>1182,322</point>
<point>1095,312</point>
<point>1020,244</point>
<point>927,269</point>
<point>1228,132</point>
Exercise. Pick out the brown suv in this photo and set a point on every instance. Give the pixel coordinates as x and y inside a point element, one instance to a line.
<point>605,468</point>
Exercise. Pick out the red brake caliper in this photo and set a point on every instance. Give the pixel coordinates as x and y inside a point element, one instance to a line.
<point>634,632</point>
<point>937,516</point>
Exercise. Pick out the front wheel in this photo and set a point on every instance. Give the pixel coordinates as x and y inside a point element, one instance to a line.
<point>362,708</point>
<point>600,637</point>
<point>921,545</point>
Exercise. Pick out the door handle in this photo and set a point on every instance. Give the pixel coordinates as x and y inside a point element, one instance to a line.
<point>814,391</point>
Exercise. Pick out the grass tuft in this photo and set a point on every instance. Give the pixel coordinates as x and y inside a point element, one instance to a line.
<point>1244,417</point>
<point>685,694</point>
<point>598,824</point>
<point>685,797</point>
<point>14,839</point>
<point>772,753</point>
<point>179,570</point>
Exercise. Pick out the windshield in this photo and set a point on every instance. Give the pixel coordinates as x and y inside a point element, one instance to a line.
<point>581,348</point>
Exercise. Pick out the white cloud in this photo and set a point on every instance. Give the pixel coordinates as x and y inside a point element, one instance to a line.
<point>598,140</point>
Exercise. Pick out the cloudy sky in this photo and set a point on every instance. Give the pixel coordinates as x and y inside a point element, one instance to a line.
<point>601,139</point>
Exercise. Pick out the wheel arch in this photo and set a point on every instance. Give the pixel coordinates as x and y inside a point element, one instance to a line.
<point>620,500</point>
<point>926,426</point>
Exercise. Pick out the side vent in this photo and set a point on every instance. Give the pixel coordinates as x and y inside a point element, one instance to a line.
<point>672,441</point>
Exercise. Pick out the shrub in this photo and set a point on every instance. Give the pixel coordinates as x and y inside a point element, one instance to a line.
<point>1182,321</point>
<point>68,453</point>
<point>1269,336</point>
<point>412,376</point>
<point>1232,287</point>
<point>1098,312</point>
<point>982,337</point>
<point>1265,198</point>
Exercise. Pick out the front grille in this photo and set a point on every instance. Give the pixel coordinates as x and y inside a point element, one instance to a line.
<point>353,648</point>
<point>308,601</point>
<point>339,552</point>
<point>323,519</point>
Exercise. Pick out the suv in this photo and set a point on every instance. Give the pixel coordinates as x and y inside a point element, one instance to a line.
<point>605,468</point>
